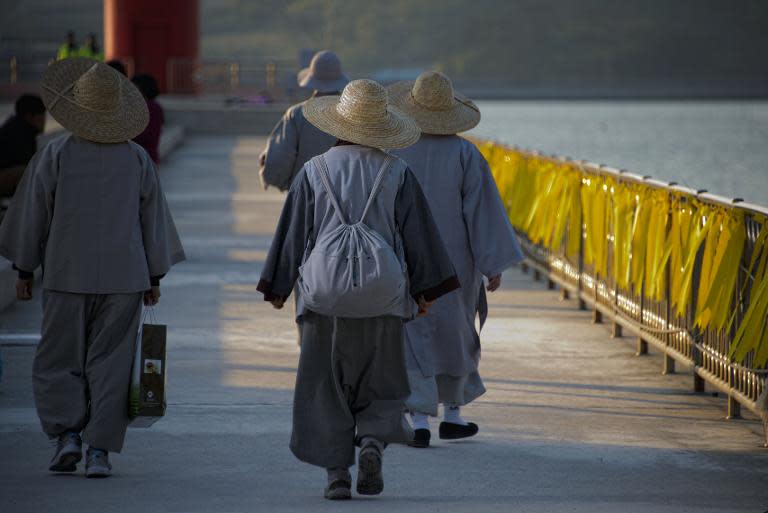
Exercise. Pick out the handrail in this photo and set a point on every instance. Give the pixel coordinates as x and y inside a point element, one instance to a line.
<point>685,270</point>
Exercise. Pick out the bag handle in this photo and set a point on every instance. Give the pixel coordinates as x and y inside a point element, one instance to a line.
<point>376,185</point>
<point>322,169</point>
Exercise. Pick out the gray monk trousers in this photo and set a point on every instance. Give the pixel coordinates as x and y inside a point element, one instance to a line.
<point>82,369</point>
<point>351,384</point>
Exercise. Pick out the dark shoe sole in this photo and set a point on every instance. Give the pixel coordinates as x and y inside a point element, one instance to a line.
<point>97,475</point>
<point>369,478</point>
<point>339,492</point>
<point>66,463</point>
<point>420,439</point>
<point>449,431</point>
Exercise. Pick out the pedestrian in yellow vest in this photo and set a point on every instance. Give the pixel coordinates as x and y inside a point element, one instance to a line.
<point>69,48</point>
<point>91,49</point>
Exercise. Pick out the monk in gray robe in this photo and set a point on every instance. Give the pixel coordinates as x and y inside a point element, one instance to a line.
<point>294,140</point>
<point>91,213</point>
<point>351,382</point>
<point>443,349</point>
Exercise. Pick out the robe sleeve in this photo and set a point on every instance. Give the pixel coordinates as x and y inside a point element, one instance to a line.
<point>280,156</point>
<point>24,229</point>
<point>430,270</point>
<point>293,233</point>
<point>492,239</point>
<point>161,240</point>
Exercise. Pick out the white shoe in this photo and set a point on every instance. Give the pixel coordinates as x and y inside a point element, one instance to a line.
<point>97,463</point>
<point>69,451</point>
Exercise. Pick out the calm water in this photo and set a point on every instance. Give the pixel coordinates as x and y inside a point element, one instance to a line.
<point>718,146</point>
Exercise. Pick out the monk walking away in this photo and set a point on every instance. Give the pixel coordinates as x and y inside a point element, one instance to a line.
<point>91,212</point>
<point>294,140</point>
<point>357,238</point>
<point>443,349</point>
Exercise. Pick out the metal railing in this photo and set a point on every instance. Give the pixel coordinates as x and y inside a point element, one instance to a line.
<point>271,76</point>
<point>607,283</point>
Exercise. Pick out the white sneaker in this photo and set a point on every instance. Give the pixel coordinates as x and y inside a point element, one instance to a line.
<point>69,451</point>
<point>97,463</point>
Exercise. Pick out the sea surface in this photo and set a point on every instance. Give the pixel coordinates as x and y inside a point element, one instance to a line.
<point>721,146</point>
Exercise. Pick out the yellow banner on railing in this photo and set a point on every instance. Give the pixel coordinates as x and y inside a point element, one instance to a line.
<point>662,243</point>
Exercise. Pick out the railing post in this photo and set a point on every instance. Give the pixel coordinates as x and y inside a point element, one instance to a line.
<point>642,345</point>
<point>734,407</point>
<point>14,64</point>
<point>698,381</point>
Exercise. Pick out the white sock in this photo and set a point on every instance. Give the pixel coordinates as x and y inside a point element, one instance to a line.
<point>452,414</point>
<point>420,420</point>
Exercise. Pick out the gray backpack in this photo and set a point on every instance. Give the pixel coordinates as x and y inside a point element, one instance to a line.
<point>352,271</point>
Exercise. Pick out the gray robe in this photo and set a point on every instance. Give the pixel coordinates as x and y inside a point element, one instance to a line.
<point>352,379</point>
<point>444,347</point>
<point>94,216</point>
<point>293,141</point>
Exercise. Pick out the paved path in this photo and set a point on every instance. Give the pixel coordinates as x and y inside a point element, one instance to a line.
<point>572,421</point>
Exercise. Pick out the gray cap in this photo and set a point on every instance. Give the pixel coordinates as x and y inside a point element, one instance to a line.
<point>323,74</point>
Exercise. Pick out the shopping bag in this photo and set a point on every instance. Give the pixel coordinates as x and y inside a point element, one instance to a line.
<point>146,399</point>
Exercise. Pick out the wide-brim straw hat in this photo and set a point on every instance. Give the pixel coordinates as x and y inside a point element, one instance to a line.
<point>434,104</point>
<point>94,101</point>
<point>362,115</point>
<point>323,74</point>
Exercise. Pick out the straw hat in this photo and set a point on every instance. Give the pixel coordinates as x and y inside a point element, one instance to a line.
<point>362,115</point>
<point>94,101</point>
<point>323,74</point>
<point>435,106</point>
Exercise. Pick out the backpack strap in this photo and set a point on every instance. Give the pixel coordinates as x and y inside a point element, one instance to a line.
<point>377,185</point>
<point>325,179</point>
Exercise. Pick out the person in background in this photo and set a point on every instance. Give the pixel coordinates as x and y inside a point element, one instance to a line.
<point>91,209</point>
<point>149,139</point>
<point>443,349</point>
<point>352,381</point>
<point>18,141</point>
<point>294,141</point>
<point>118,66</point>
<point>69,48</point>
<point>90,49</point>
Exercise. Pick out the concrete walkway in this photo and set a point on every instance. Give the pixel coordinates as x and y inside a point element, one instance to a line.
<point>572,420</point>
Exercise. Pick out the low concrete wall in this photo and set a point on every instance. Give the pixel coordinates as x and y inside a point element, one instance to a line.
<point>215,115</point>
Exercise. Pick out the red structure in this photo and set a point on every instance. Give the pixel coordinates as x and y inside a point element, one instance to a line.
<point>157,37</point>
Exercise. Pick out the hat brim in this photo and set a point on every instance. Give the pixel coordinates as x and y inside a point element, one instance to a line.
<point>122,124</point>
<point>462,116</point>
<point>305,78</point>
<point>395,130</point>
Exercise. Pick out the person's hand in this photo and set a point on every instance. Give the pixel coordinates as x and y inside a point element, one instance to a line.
<point>494,282</point>
<point>152,296</point>
<point>24,289</point>
<point>278,303</point>
<point>424,306</point>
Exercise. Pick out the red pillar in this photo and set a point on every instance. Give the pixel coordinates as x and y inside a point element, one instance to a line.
<point>157,37</point>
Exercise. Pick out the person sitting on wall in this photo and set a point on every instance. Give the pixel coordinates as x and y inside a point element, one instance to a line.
<point>69,48</point>
<point>18,141</point>
<point>90,49</point>
<point>149,139</point>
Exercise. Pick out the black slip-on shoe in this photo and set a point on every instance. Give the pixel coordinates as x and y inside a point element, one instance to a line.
<point>370,481</point>
<point>420,438</point>
<point>339,490</point>
<point>451,431</point>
